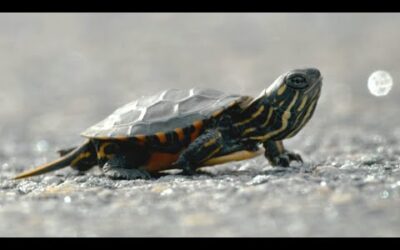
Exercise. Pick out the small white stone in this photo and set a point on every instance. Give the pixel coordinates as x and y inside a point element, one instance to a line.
<point>51,180</point>
<point>327,171</point>
<point>4,166</point>
<point>168,191</point>
<point>380,83</point>
<point>42,146</point>
<point>385,194</point>
<point>395,185</point>
<point>259,179</point>
<point>67,199</point>
<point>370,178</point>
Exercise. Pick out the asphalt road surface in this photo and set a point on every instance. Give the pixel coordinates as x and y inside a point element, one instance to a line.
<point>61,73</point>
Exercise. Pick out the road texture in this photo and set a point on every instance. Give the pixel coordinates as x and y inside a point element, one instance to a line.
<point>61,73</point>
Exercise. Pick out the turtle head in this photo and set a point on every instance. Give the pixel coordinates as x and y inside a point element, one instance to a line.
<point>293,97</point>
<point>304,82</point>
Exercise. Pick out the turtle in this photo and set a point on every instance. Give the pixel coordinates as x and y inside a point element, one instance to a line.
<point>189,129</point>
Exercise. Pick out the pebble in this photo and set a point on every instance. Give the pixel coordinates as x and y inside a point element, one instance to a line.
<point>167,192</point>
<point>327,171</point>
<point>339,198</point>
<point>67,199</point>
<point>259,179</point>
<point>51,180</point>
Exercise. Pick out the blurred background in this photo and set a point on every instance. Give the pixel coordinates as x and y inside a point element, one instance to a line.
<point>67,71</point>
<point>61,73</point>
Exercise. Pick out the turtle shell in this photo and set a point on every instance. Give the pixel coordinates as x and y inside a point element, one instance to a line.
<point>162,112</point>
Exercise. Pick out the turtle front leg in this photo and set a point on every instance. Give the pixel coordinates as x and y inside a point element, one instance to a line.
<point>200,150</point>
<point>117,168</point>
<point>277,155</point>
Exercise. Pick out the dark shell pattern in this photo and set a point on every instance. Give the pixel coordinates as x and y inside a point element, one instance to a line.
<point>162,112</point>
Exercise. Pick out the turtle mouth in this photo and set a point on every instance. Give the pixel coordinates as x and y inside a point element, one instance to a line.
<point>319,80</point>
<point>316,84</point>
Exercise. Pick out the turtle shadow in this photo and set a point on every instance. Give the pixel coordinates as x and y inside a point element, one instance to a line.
<point>277,171</point>
<point>268,170</point>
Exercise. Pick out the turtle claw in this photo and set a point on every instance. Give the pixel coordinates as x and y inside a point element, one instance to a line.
<point>295,157</point>
<point>188,170</point>
<point>285,158</point>
<point>185,166</point>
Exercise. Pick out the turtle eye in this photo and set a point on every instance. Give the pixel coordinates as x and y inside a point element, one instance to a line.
<point>297,81</point>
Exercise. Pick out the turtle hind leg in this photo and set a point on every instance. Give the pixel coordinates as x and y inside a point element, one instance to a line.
<point>117,168</point>
<point>86,160</point>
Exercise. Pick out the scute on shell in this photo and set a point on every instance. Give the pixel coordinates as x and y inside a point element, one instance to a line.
<point>161,112</point>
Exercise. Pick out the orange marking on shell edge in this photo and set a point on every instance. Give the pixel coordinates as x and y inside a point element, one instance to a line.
<point>198,125</point>
<point>217,113</point>
<point>180,133</point>
<point>141,139</point>
<point>159,161</point>
<point>161,137</point>
<point>232,104</point>
<point>122,137</point>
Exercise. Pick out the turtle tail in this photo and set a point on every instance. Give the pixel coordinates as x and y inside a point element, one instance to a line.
<point>81,158</point>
